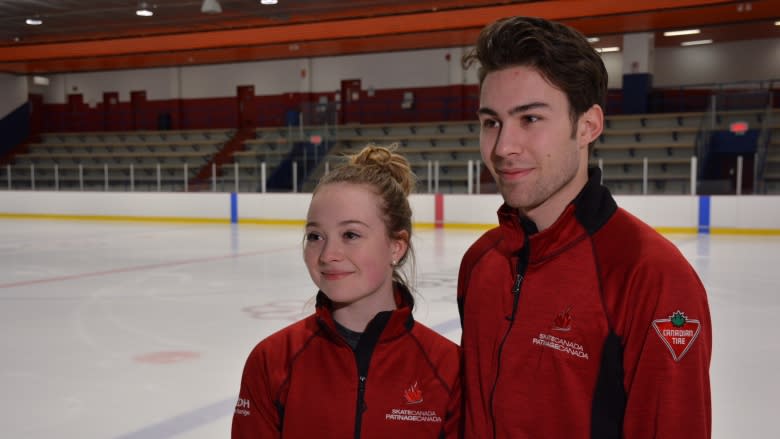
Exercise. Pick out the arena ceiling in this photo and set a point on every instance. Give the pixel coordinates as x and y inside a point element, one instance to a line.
<point>89,35</point>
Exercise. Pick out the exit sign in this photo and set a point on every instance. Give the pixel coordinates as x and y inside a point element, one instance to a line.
<point>738,128</point>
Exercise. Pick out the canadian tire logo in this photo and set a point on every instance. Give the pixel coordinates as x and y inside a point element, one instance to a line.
<point>678,333</point>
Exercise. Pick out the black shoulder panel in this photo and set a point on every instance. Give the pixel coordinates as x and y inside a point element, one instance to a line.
<point>594,205</point>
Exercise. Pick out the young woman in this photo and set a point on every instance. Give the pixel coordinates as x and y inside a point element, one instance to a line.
<point>360,366</point>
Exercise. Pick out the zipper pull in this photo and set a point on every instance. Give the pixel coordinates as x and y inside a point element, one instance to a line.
<point>516,294</point>
<point>362,392</point>
<point>518,282</point>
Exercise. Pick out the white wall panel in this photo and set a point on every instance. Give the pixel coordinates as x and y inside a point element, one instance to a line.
<point>419,68</point>
<point>13,93</point>
<point>725,62</point>
<point>671,211</point>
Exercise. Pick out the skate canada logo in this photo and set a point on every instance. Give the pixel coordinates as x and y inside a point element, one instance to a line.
<point>413,395</point>
<point>678,333</point>
<point>413,415</point>
<point>561,344</point>
<point>562,321</point>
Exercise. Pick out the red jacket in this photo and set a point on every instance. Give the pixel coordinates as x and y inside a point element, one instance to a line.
<point>596,327</point>
<point>402,381</point>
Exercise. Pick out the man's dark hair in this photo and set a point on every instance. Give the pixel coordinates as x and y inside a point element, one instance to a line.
<point>562,55</point>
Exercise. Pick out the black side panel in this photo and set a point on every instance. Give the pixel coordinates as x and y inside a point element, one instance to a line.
<point>609,398</point>
<point>280,410</point>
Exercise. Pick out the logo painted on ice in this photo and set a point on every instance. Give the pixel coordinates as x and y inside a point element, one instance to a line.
<point>678,333</point>
<point>413,395</point>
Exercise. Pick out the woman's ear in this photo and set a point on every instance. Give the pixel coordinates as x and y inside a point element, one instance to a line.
<point>399,245</point>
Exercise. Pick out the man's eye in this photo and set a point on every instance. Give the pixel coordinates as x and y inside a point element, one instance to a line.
<point>531,119</point>
<point>489,123</point>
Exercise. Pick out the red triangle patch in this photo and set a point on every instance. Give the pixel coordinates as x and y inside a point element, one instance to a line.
<point>678,333</point>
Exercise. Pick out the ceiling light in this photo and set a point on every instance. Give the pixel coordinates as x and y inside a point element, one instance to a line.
<point>211,7</point>
<point>695,43</point>
<point>594,39</point>
<point>777,23</point>
<point>143,10</point>
<point>607,49</point>
<point>40,80</point>
<point>34,21</point>
<point>677,33</point>
<point>269,2</point>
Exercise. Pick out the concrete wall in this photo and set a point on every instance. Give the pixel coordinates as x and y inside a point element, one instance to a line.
<point>674,66</point>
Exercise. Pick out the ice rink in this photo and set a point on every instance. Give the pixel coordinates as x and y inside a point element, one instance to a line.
<point>140,330</point>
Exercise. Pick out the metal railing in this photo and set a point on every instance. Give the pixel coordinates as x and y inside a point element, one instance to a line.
<point>762,151</point>
<point>434,176</point>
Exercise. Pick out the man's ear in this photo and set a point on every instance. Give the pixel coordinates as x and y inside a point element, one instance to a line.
<point>590,125</point>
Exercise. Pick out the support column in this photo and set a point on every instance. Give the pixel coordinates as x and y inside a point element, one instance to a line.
<point>638,51</point>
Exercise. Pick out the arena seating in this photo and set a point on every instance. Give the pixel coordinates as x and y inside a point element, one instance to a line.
<point>270,146</point>
<point>666,142</point>
<point>772,169</point>
<point>105,159</point>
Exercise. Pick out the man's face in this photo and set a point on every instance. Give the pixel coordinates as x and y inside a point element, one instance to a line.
<point>527,142</point>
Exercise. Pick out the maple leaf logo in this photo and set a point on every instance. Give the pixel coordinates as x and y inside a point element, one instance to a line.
<point>678,319</point>
<point>413,394</point>
<point>562,321</point>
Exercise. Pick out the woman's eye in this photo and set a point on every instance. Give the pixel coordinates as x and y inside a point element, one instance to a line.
<point>311,236</point>
<point>351,235</point>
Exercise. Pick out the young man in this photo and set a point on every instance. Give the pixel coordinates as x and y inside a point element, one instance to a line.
<point>579,320</point>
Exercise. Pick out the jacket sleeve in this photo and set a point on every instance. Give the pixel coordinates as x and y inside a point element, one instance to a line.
<point>667,350</point>
<point>256,414</point>
<point>453,424</point>
<point>478,249</point>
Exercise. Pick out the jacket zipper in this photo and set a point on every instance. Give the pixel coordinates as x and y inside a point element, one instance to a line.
<point>520,270</point>
<point>361,403</point>
<point>363,353</point>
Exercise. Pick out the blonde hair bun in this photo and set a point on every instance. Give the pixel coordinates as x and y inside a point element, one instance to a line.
<point>385,159</point>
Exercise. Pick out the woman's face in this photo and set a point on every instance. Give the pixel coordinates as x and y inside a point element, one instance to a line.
<point>347,249</point>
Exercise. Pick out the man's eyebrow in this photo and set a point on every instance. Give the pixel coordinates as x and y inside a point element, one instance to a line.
<point>487,111</point>
<point>518,109</point>
<point>526,107</point>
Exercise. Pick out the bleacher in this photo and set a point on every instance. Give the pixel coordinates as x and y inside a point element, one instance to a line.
<point>665,141</point>
<point>270,146</point>
<point>140,160</point>
<point>771,172</point>
<point>451,144</point>
<point>439,152</point>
